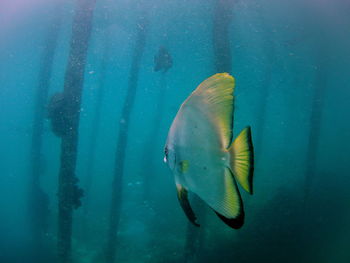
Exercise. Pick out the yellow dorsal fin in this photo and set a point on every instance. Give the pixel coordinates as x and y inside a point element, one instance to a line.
<point>215,96</point>
<point>242,159</point>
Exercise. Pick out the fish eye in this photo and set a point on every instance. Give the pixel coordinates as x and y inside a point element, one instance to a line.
<point>166,152</point>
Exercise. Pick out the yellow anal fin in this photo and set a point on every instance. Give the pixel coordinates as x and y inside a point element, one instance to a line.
<point>229,208</point>
<point>242,159</point>
<point>182,195</point>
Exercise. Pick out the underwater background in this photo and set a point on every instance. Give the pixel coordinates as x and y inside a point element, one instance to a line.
<point>118,203</point>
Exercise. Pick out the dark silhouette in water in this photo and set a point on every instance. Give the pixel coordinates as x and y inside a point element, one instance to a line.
<point>162,60</point>
<point>38,199</point>
<point>322,61</point>
<point>122,139</point>
<point>321,41</point>
<point>69,103</point>
<point>222,16</point>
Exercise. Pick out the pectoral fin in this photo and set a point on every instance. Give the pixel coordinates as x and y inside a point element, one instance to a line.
<point>185,204</point>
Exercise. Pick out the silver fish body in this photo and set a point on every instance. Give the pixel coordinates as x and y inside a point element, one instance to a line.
<point>201,155</point>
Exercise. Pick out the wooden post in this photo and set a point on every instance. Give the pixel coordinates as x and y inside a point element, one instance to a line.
<point>222,63</point>
<point>316,117</point>
<point>38,199</point>
<point>149,160</point>
<point>122,139</point>
<point>68,192</point>
<point>221,35</point>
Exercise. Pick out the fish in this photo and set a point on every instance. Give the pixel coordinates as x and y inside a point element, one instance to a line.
<point>162,60</point>
<point>204,158</point>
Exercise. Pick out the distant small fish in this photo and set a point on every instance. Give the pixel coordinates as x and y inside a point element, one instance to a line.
<point>162,60</point>
<point>202,156</point>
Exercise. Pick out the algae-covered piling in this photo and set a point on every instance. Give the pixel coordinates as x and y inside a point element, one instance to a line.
<point>68,191</point>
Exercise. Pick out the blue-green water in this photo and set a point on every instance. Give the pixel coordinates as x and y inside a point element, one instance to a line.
<point>291,62</point>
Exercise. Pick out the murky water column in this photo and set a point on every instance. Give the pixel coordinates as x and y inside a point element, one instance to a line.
<point>38,199</point>
<point>68,192</point>
<point>265,85</point>
<point>222,17</point>
<point>122,139</point>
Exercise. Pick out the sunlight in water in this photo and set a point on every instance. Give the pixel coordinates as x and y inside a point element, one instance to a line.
<point>13,12</point>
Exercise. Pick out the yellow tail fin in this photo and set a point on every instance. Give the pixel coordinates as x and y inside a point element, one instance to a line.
<point>242,159</point>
